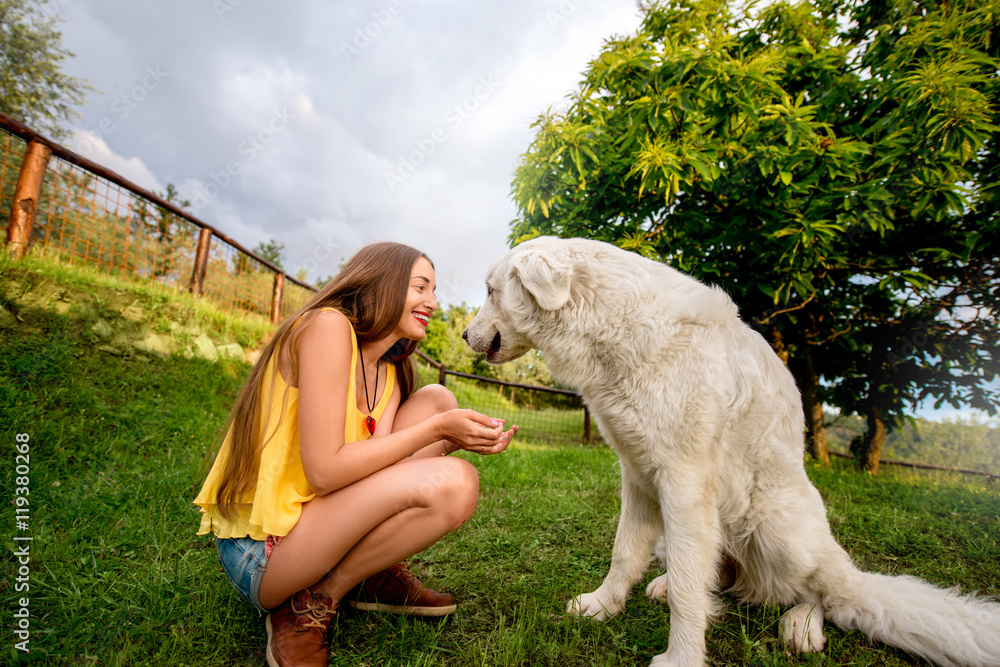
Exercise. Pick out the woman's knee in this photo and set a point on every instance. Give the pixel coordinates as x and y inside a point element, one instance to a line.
<point>453,487</point>
<point>438,398</point>
<point>466,490</point>
<point>424,404</point>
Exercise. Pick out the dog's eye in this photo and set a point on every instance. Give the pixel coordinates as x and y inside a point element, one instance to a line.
<point>489,291</point>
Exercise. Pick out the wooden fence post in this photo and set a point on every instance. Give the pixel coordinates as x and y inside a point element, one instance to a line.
<point>197,283</point>
<point>279,288</point>
<point>586,425</point>
<point>24,206</point>
<point>442,375</point>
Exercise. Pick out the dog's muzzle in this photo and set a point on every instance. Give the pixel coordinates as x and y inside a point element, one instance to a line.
<point>494,344</point>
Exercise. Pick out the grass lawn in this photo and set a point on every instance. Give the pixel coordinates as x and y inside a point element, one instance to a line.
<point>119,445</point>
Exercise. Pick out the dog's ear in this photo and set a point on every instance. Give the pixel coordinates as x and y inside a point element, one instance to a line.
<point>545,278</point>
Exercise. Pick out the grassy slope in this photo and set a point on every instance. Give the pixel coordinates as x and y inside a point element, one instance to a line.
<point>120,444</point>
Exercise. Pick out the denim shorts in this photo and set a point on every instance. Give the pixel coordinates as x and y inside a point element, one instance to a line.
<point>243,561</point>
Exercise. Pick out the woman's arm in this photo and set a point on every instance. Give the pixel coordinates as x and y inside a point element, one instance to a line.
<point>324,371</point>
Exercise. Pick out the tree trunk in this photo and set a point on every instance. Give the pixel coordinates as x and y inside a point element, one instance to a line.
<point>815,424</point>
<point>777,344</point>
<point>872,448</point>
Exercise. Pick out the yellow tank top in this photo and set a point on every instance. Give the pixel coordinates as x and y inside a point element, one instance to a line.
<point>274,505</point>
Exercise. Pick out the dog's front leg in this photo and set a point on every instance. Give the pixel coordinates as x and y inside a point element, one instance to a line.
<point>638,528</point>
<point>692,551</point>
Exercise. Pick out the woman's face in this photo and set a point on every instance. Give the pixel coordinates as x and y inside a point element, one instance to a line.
<point>420,301</point>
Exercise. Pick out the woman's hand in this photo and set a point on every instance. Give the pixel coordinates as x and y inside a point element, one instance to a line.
<point>475,432</point>
<point>498,446</point>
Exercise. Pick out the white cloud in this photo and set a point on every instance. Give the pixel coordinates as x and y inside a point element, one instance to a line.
<point>91,146</point>
<point>207,124</point>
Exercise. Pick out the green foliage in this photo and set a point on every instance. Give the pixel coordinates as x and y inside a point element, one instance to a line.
<point>272,251</point>
<point>831,164</point>
<point>33,90</point>
<point>322,280</point>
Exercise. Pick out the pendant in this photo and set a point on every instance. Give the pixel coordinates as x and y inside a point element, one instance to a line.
<point>370,423</point>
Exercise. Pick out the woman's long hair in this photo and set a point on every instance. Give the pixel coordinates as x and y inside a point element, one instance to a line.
<point>370,291</point>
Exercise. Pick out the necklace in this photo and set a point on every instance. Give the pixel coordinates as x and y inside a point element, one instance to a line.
<point>370,421</point>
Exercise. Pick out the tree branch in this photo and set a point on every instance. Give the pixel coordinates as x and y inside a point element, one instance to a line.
<point>786,310</point>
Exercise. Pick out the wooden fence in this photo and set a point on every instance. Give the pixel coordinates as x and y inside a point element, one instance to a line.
<point>990,477</point>
<point>52,198</point>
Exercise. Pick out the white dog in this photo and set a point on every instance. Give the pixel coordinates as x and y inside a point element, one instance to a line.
<point>708,425</point>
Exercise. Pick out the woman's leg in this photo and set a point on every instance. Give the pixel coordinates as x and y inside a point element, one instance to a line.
<point>348,535</point>
<point>380,520</point>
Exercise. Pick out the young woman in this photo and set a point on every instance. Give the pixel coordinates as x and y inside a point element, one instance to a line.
<point>333,468</point>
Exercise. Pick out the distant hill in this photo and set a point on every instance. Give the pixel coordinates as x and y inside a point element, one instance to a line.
<point>955,443</point>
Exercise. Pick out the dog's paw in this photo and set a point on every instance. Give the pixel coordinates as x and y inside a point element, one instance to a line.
<point>660,661</point>
<point>666,660</point>
<point>802,627</point>
<point>657,589</point>
<point>592,606</point>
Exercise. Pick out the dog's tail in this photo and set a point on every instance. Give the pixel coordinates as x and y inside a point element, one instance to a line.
<point>937,624</point>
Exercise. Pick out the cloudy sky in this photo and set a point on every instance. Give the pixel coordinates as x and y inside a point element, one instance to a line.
<point>328,125</point>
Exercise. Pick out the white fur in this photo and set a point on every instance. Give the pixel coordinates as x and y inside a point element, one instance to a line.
<point>707,423</point>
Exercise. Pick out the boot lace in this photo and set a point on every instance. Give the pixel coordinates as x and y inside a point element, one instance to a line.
<point>404,568</point>
<point>406,575</point>
<point>317,613</point>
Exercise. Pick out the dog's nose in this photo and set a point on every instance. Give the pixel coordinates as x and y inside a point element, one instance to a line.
<point>465,335</point>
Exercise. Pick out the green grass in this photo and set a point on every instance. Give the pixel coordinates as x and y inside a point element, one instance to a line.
<point>45,282</point>
<point>120,445</point>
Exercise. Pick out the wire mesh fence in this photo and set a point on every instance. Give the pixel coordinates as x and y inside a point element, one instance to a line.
<point>545,414</point>
<point>55,201</point>
<point>295,296</point>
<point>10,167</point>
<point>238,280</point>
<point>100,223</point>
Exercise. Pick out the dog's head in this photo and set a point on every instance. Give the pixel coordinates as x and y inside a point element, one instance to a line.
<point>550,293</point>
<point>523,289</point>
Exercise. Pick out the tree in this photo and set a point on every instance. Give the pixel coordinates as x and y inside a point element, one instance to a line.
<point>272,251</point>
<point>164,228</point>
<point>33,89</point>
<point>827,163</point>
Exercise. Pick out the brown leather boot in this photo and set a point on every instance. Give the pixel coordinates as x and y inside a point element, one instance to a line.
<point>396,591</point>
<point>296,631</point>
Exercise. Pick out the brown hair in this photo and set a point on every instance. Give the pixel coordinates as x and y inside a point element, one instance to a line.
<point>370,291</point>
